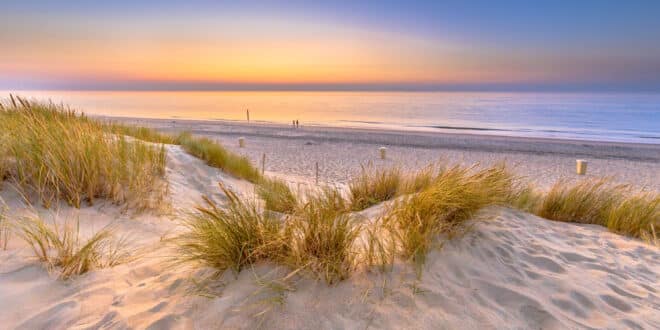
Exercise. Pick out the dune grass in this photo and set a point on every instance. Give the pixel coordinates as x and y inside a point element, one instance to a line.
<point>322,237</point>
<point>454,196</point>
<point>230,238</point>
<point>419,180</point>
<point>210,151</point>
<point>62,248</point>
<point>141,133</point>
<point>217,156</point>
<point>616,207</point>
<point>373,186</point>
<point>277,195</point>
<point>53,153</point>
<point>4,226</point>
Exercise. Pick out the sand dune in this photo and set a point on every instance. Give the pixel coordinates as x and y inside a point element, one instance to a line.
<point>513,270</point>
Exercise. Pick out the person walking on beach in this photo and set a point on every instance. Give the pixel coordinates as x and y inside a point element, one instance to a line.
<point>297,124</point>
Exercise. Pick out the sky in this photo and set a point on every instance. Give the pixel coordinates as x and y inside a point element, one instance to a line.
<point>330,45</point>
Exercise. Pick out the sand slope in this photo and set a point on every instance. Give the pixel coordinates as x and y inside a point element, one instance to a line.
<point>511,271</point>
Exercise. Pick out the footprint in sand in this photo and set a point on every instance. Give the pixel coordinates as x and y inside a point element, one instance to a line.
<point>545,263</point>
<point>616,303</point>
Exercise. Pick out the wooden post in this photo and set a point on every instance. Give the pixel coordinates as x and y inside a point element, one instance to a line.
<point>383,152</point>
<point>581,167</point>
<point>263,163</point>
<point>317,173</point>
<point>241,142</point>
<point>247,112</point>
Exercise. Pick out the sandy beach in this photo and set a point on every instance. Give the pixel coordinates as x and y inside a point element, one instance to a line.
<point>329,165</point>
<point>513,270</point>
<point>340,152</point>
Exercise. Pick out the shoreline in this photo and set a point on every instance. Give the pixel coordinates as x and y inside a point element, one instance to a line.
<point>341,152</point>
<point>412,138</point>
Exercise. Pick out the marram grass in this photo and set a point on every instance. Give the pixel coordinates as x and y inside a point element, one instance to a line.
<point>210,151</point>
<point>322,236</point>
<point>53,153</point>
<point>217,156</point>
<point>277,195</point>
<point>616,207</point>
<point>232,237</point>
<point>4,226</point>
<point>61,248</point>
<point>373,186</point>
<point>452,198</point>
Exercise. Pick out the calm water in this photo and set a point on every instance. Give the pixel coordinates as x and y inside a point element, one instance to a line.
<point>611,117</point>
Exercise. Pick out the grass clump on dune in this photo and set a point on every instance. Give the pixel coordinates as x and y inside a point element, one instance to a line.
<point>453,197</point>
<point>418,181</point>
<point>597,202</point>
<point>210,151</point>
<point>216,156</point>
<point>141,133</point>
<point>4,226</point>
<point>51,151</point>
<point>230,238</point>
<point>62,248</point>
<point>277,195</point>
<point>373,186</point>
<point>321,237</point>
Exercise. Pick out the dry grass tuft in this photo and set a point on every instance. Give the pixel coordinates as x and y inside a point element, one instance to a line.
<point>217,156</point>
<point>378,246</point>
<point>374,186</point>
<point>141,133</point>
<point>637,216</point>
<point>321,238</point>
<point>62,248</point>
<point>50,151</point>
<point>616,207</point>
<point>453,197</point>
<point>4,226</point>
<point>585,202</point>
<point>230,238</point>
<point>277,195</point>
<point>418,181</point>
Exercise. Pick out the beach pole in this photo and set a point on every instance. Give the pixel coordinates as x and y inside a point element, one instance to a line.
<point>581,167</point>
<point>263,163</point>
<point>241,142</point>
<point>383,152</point>
<point>317,173</point>
<point>247,112</point>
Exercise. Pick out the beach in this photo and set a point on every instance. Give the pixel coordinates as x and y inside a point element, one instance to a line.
<point>342,152</point>
<point>507,269</point>
<point>512,270</point>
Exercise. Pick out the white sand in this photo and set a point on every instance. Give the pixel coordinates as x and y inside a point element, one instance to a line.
<point>512,271</point>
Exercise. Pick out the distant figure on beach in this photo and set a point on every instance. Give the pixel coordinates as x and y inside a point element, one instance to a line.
<point>293,122</point>
<point>297,124</point>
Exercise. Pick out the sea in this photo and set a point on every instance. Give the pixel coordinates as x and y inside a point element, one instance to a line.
<point>621,117</point>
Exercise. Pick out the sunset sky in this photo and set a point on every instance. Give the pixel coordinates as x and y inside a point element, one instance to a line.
<point>443,45</point>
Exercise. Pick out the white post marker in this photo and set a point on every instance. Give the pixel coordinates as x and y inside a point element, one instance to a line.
<point>383,152</point>
<point>241,142</point>
<point>581,167</point>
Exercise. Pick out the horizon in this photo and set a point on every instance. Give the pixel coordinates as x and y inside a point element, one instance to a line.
<point>512,46</point>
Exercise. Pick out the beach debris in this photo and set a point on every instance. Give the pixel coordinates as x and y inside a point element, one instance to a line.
<point>241,142</point>
<point>581,167</point>
<point>383,152</point>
